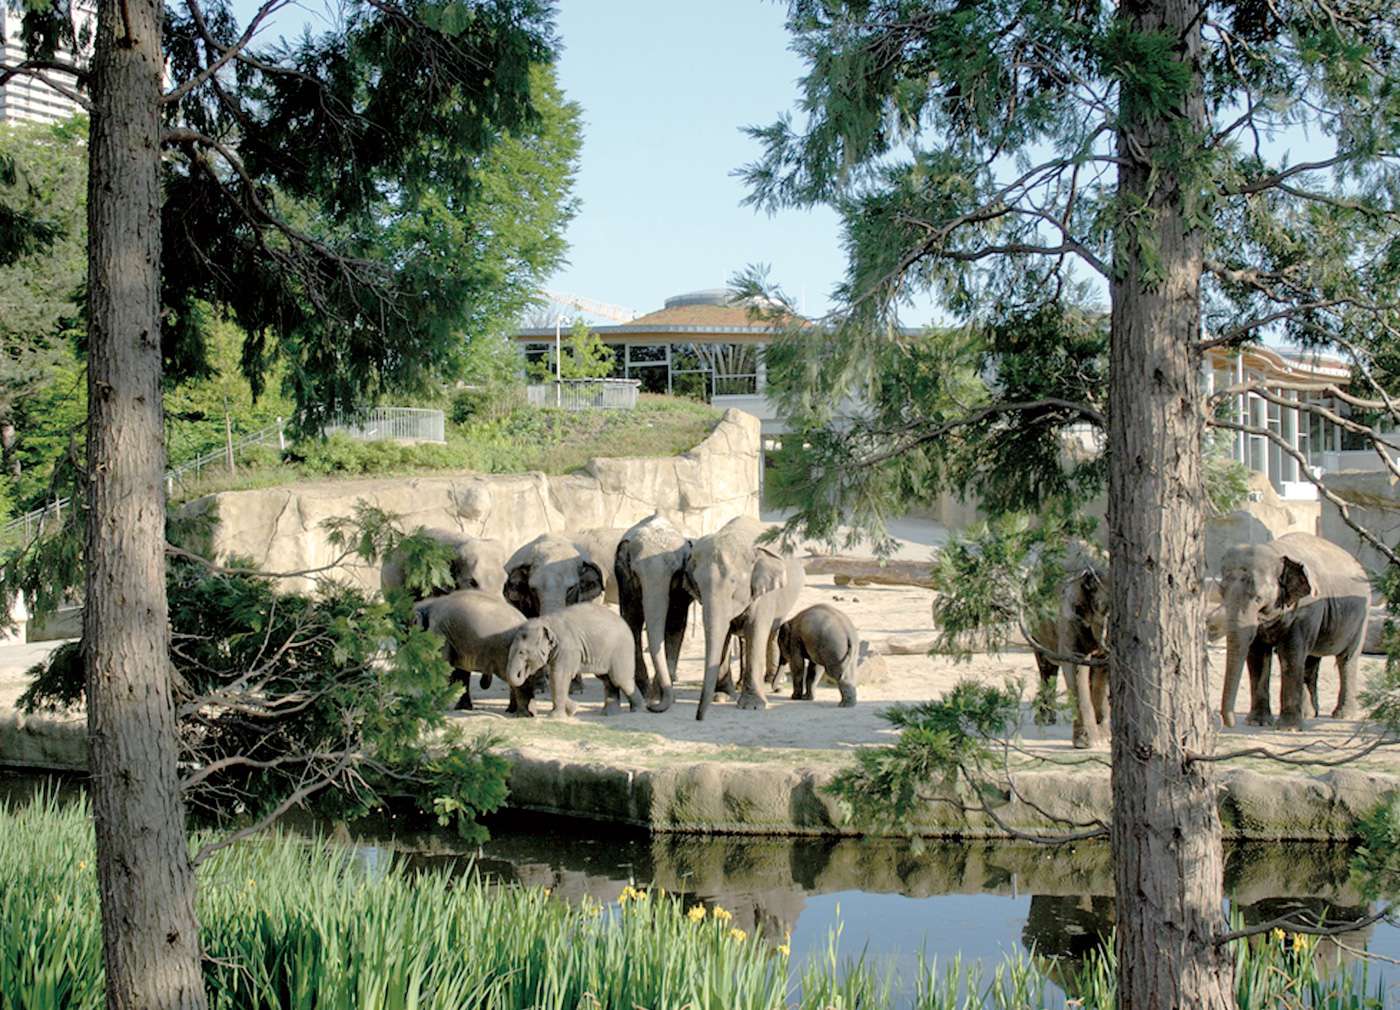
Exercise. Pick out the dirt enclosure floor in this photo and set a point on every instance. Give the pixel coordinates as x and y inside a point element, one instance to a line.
<point>880,613</point>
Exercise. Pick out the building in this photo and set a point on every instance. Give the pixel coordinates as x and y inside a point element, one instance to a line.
<point>701,345</point>
<point>27,99</point>
<point>1327,447</point>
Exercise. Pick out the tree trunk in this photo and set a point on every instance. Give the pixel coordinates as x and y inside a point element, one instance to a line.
<point>1168,860</point>
<point>150,934</point>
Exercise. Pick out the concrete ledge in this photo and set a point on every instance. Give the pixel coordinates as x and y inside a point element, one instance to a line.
<point>781,792</point>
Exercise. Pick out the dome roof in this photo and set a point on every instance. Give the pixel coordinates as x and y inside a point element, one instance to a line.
<point>705,296</point>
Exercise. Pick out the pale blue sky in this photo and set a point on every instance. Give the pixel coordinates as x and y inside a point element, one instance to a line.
<point>666,88</point>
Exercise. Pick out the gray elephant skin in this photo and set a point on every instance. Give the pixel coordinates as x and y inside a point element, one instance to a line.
<point>1077,631</point>
<point>550,573</point>
<point>583,638</point>
<point>820,636</point>
<point>742,585</point>
<point>477,629</point>
<point>1299,597</point>
<point>649,572</point>
<point>600,546</point>
<point>477,563</point>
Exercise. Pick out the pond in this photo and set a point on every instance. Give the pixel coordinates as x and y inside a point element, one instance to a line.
<point>895,901</point>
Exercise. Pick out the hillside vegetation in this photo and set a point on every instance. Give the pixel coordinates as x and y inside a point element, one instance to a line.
<point>514,441</point>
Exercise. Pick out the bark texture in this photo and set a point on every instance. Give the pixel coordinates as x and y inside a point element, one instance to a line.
<point>1166,829</point>
<point>150,934</point>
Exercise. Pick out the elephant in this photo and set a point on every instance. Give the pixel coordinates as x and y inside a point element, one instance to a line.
<point>737,580</point>
<point>478,563</point>
<point>582,638</point>
<point>477,628</point>
<point>820,636</point>
<point>1303,598</point>
<point>649,572</point>
<point>600,547</point>
<point>1077,630</point>
<point>551,573</point>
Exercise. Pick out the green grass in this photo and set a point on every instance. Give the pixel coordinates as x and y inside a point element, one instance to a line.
<point>293,925</point>
<point>513,441</point>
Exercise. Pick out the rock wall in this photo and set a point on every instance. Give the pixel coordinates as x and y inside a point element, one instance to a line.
<point>1373,502</point>
<point>279,529</point>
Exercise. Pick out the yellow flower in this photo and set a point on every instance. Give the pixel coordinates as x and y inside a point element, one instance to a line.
<point>696,913</point>
<point>630,893</point>
<point>738,935</point>
<point>547,892</point>
<point>722,914</point>
<point>785,948</point>
<point>82,865</point>
<point>1301,941</point>
<point>252,882</point>
<point>1277,935</point>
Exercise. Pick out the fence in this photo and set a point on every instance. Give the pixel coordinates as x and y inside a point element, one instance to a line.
<point>379,423</point>
<point>408,423</point>
<point>586,394</point>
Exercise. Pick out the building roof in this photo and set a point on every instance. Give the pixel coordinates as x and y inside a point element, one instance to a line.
<point>708,311</point>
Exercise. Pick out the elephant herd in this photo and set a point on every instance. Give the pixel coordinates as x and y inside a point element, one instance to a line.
<point>538,617</point>
<point>1299,597</point>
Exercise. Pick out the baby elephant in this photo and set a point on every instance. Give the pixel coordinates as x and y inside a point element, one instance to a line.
<point>583,638</point>
<point>477,628</point>
<point>821,636</point>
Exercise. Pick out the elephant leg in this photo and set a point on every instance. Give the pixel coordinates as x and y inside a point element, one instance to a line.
<point>612,704</point>
<point>726,674</point>
<point>1347,674</point>
<point>1259,661</point>
<point>634,612</point>
<point>1098,690</point>
<point>1086,726</point>
<point>1045,697</point>
<point>1292,659</point>
<point>464,700</point>
<point>1310,670</point>
<point>677,613</point>
<point>846,682</point>
<point>520,697</point>
<point>576,685</point>
<point>559,684</point>
<point>750,684</point>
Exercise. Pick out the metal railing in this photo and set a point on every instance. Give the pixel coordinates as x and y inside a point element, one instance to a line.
<point>585,394</point>
<point>379,423</point>
<point>406,423</point>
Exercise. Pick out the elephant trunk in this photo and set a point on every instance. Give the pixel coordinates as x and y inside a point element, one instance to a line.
<point>1238,638</point>
<point>634,700</point>
<point>716,636</point>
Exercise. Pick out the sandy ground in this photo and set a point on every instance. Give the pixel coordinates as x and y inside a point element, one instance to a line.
<point>879,612</point>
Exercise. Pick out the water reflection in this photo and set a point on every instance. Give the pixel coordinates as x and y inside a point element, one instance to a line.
<point>983,899</point>
<point>1063,896</point>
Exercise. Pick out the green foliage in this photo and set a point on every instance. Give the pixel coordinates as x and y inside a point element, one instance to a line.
<point>288,925</point>
<point>1376,863</point>
<point>514,441</point>
<point>941,744</point>
<point>999,577</point>
<point>964,173</point>
<point>276,690</point>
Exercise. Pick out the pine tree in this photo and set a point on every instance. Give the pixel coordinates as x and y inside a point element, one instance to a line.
<point>1021,160</point>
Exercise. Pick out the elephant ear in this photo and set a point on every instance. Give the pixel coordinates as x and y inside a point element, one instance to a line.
<point>1293,583</point>
<point>518,592</point>
<point>590,583</point>
<point>769,573</point>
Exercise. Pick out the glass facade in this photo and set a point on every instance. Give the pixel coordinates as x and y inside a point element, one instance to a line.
<point>700,371</point>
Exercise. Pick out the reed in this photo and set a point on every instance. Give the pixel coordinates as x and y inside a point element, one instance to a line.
<point>297,925</point>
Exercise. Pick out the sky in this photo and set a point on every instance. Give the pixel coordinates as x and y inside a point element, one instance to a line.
<point>666,89</point>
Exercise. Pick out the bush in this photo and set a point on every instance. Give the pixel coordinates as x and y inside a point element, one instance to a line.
<point>337,687</point>
<point>258,457</point>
